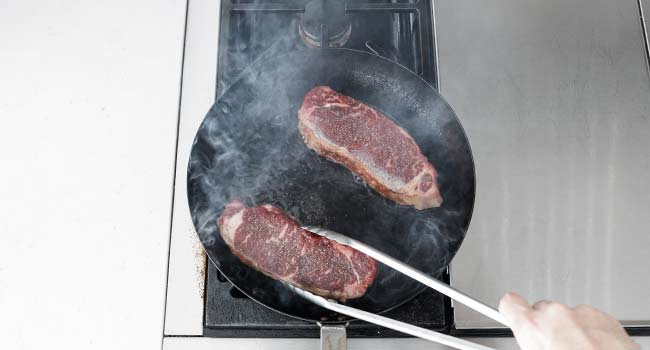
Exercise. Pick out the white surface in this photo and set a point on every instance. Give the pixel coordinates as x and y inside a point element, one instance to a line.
<point>184,311</point>
<point>313,344</point>
<point>555,98</point>
<point>181,343</point>
<point>88,106</point>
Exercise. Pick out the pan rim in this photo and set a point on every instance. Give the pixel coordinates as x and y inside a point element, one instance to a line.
<point>465,225</point>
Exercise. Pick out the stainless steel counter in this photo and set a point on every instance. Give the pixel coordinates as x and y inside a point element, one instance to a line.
<point>555,98</point>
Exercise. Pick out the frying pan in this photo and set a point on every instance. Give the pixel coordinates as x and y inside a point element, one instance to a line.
<point>249,148</point>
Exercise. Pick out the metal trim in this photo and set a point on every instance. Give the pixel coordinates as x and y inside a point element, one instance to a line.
<point>333,337</point>
<point>644,32</point>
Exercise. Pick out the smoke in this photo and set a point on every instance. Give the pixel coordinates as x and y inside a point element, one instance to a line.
<point>249,148</point>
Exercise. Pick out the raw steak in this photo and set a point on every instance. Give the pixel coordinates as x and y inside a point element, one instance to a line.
<point>371,145</point>
<point>273,243</point>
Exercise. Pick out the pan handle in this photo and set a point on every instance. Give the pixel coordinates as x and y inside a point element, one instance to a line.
<point>410,329</point>
<point>333,337</point>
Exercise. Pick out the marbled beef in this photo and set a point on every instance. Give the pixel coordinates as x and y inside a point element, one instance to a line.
<point>371,145</point>
<point>273,243</point>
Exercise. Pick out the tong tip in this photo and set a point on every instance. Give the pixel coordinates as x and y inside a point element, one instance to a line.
<point>308,295</point>
<point>335,236</point>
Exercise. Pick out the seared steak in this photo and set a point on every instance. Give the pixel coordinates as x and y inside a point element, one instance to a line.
<point>370,145</point>
<point>273,243</point>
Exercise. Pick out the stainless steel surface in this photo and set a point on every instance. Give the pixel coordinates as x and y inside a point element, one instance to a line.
<point>644,11</point>
<point>411,272</point>
<point>406,328</point>
<point>555,98</point>
<point>333,337</point>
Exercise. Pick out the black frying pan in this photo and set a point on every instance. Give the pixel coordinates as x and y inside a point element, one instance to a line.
<point>249,147</point>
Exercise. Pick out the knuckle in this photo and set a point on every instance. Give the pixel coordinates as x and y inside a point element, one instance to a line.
<point>508,296</point>
<point>585,308</point>
<point>557,308</point>
<point>526,320</point>
<point>541,304</point>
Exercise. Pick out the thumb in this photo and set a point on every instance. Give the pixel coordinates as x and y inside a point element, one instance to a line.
<point>515,309</point>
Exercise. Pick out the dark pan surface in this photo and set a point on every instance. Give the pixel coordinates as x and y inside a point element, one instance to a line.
<point>249,147</point>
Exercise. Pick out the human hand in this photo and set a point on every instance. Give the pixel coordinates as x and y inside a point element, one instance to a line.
<point>554,326</point>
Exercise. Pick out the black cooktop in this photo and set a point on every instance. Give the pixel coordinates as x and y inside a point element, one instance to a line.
<point>229,313</point>
<point>401,30</point>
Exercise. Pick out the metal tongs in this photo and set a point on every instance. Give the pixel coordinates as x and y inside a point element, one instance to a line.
<point>413,273</point>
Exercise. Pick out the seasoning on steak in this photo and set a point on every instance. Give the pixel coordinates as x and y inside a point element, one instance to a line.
<point>273,243</point>
<point>370,145</point>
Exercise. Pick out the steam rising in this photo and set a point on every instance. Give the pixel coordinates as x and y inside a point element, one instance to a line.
<point>249,148</point>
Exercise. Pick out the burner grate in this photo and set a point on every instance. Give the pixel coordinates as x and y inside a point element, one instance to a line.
<point>400,31</point>
<point>230,313</point>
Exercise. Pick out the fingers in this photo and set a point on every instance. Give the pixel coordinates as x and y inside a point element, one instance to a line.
<point>515,309</point>
<point>553,325</point>
<point>540,305</point>
<point>592,316</point>
<point>550,307</point>
<point>511,299</point>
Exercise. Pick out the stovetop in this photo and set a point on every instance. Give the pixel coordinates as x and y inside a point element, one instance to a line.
<point>229,313</point>
<point>400,30</point>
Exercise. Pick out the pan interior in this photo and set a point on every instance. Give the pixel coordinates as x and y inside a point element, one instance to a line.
<point>249,147</point>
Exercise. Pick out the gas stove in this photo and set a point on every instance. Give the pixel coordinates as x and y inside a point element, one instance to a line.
<point>401,31</point>
<point>229,313</point>
<point>232,35</point>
